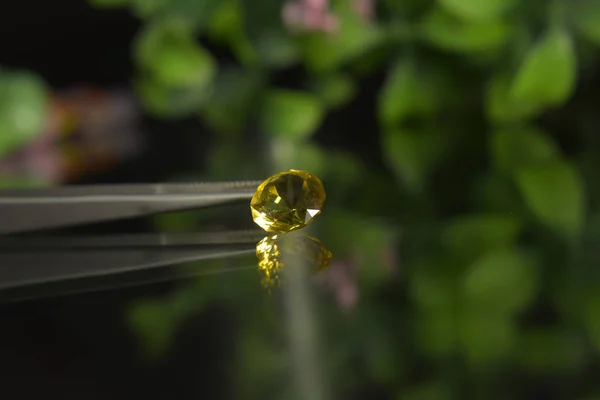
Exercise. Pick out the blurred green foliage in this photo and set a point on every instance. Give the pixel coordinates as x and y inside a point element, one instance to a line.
<point>482,242</point>
<point>490,216</point>
<point>23,106</point>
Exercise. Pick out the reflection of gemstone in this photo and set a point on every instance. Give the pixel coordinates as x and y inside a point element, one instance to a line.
<point>287,201</point>
<point>272,252</point>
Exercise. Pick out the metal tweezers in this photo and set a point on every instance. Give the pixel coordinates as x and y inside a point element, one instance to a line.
<point>44,263</point>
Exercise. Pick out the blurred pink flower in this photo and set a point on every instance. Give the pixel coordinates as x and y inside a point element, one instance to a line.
<point>42,161</point>
<point>309,15</point>
<point>316,16</point>
<point>364,8</point>
<point>340,280</point>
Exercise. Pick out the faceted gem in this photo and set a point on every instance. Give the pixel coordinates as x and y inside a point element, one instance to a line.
<point>287,201</point>
<point>273,251</point>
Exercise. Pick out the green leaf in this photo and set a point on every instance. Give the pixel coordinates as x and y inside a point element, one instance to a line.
<point>431,286</point>
<point>351,233</point>
<point>404,8</point>
<point>501,280</point>
<point>380,357</point>
<point>343,222</point>
<point>226,23</point>
<point>184,221</point>
<point>219,163</point>
<point>261,17</point>
<point>266,35</point>
<point>346,169</point>
<point>168,102</point>
<point>568,291</point>
<point>233,100</point>
<point>289,154</point>
<point>23,109</point>
<point>448,33</point>
<point>397,98</point>
<point>226,27</point>
<point>291,114</point>
<point>373,240</point>
<point>412,155</point>
<point>554,192</point>
<point>335,90</point>
<point>277,49</point>
<point>553,350</point>
<point>514,149</point>
<point>548,73</point>
<point>191,13</point>
<point>587,20</point>
<point>592,318</point>
<point>412,90</point>
<point>148,8</point>
<point>12,182</point>
<point>503,107</point>
<point>176,72</point>
<point>262,360</point>
<point>474,235</point>
<point>156,320</point>
<point>184,64</point>
<point>173,57</point>
<point>496,193</point>
<point>151,322</point>
<point>477,10</point>
<point>433,390</point>
<point>436,332</point>
<point>487,338</point>
<point>325,52</point>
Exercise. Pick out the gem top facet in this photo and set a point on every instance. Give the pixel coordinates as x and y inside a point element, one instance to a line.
<point>287,201</point>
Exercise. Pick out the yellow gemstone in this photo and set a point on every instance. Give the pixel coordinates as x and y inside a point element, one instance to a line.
<point>287,201</point>
<point>273,251</point>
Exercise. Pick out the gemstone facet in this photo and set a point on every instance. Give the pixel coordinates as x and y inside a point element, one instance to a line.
<point>287,201</point>
<point>273,252</point>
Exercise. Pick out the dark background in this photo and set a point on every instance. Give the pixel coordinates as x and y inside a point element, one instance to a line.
<point>79,346</point>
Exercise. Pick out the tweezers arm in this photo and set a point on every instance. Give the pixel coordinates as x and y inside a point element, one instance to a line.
<point>34,261</point>
<point>24,210</point>
<point>18,269</point>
